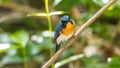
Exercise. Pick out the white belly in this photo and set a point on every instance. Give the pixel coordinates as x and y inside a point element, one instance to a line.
<point>63,38</point>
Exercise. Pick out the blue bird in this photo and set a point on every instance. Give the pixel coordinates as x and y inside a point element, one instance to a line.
<point>64,30</point>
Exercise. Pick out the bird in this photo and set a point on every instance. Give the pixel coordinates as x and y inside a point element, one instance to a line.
<point>63,31</point>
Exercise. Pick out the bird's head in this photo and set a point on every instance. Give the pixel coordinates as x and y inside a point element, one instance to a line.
<point>64,19</point>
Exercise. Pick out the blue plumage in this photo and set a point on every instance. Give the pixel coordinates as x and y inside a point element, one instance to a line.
<point>58,34</point>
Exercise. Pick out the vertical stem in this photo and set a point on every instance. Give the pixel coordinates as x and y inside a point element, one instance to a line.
<point>49,23</point>
<point>48,15</point>
<point>50,26</point>
<point>24,57</point>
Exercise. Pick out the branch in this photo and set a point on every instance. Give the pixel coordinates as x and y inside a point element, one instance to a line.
<point>20,8</point>
<point>11,16</point>
<point>80,30</point>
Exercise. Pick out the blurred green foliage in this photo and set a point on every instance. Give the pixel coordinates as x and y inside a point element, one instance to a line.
<point>62,5</point>
<point>29,45</point>
<point>114,63</point>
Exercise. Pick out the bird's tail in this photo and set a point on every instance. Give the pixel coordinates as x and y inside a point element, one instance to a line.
<point>57,47</point>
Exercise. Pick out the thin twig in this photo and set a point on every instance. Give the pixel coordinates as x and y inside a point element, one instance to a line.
<point>80,30</point>
<point>20,8</point>
<point>11,16</point>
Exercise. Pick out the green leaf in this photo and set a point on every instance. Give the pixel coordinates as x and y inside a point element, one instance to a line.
<point>115,63</point>
<point>93,62</point>
<point>32,49</point>
<point>10,60</point>
<point>100,2</point>
<point>4,38</point>
<point>65,5</point>
<point>20,37</point>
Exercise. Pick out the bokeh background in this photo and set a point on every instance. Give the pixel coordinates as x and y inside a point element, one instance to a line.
<point>26,34</point>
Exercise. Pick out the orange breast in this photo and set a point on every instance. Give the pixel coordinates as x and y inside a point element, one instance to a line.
<point>69,29</point>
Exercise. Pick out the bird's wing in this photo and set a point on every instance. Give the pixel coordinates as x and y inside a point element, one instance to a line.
<point>57,31</point>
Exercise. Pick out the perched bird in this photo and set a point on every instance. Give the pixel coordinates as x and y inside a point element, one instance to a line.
<point>64,30</point>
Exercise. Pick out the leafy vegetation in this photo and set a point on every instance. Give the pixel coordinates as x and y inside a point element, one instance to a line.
<point>26,41</point>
